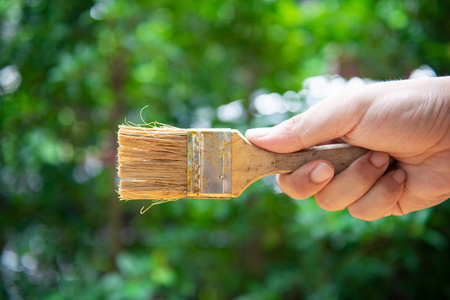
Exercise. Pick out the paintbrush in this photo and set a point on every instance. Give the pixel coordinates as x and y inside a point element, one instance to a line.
<point>169,163</point>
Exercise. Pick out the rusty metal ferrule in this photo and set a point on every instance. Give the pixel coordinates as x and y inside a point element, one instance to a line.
<point>209,163</point>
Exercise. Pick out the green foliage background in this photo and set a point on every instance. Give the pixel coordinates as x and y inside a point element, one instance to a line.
<point>87,65</point>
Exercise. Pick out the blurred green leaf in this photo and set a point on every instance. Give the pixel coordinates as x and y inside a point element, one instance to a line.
<point>71,71</point>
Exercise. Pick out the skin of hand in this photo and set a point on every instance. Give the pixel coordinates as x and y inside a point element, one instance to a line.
<point>408,120</point>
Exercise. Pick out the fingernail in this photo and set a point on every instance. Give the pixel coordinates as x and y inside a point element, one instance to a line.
<point>258,132</point>
<point>379,159</point>
<point>321,173</point>
<point>399,176</point>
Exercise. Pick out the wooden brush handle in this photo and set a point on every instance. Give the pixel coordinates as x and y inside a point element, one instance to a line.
<point>339,155</point>
<point>249,163</point>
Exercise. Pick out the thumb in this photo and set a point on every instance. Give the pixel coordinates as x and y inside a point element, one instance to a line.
<point>331,118</point>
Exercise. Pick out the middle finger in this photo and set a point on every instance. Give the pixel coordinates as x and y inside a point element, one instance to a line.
<point>351,184</point>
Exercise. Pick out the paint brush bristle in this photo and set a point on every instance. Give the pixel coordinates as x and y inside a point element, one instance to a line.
<point>152,163</point>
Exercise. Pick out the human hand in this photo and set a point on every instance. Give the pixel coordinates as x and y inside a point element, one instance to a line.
<point>408,120</point>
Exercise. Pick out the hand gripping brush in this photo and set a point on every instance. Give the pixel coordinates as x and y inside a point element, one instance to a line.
<point>168,163</point>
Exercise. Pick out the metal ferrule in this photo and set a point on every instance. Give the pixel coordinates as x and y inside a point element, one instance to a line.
<point>209,163</point>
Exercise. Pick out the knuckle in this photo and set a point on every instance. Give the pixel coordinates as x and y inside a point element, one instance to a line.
<point>327,203</point>
<point>295,194</point>
<point>387,192</point>
<point>290,124</point>
<point>292,128</point>
<point>366,173</point>
<point>298,197</point>
<point>365,176</point>
<point>361,214</point>
<point>290,187</point>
